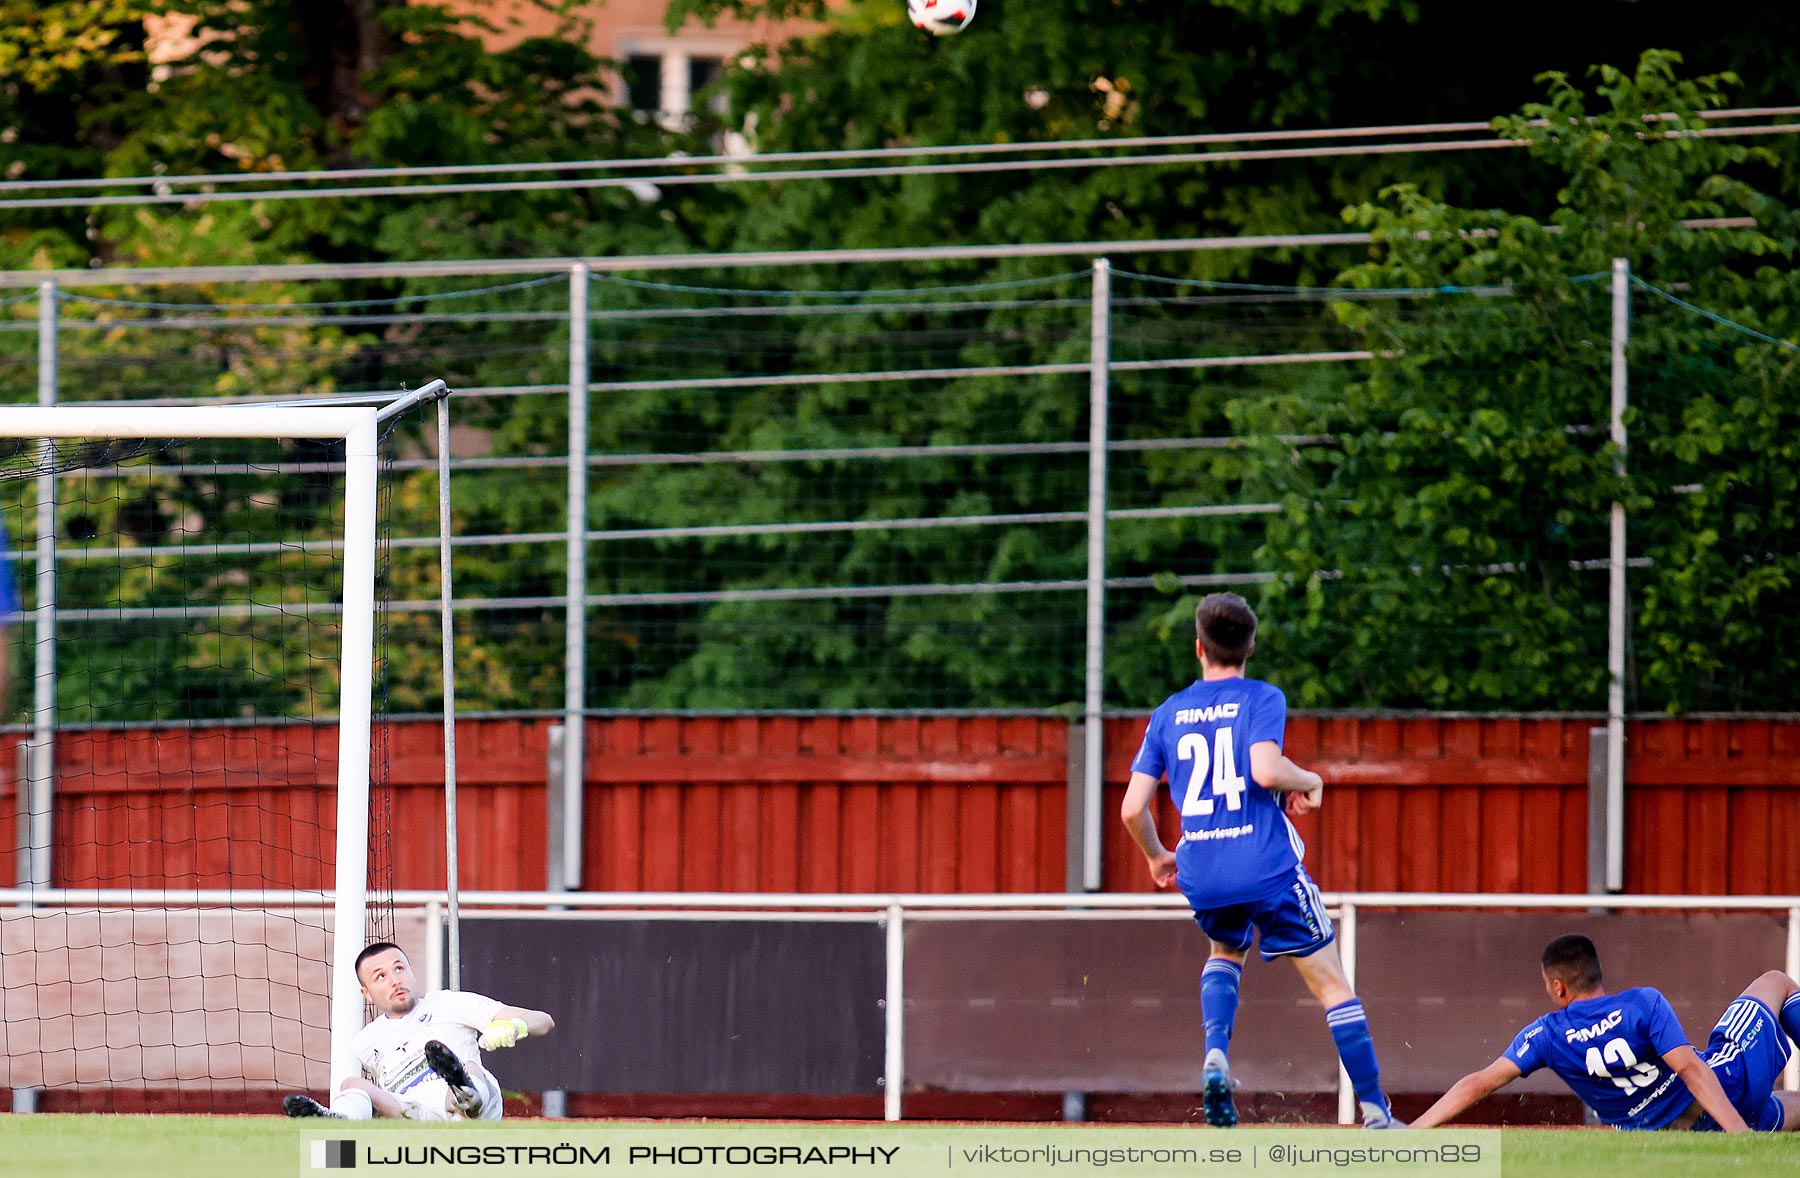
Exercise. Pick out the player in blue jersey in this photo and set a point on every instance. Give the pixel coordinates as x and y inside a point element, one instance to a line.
<point>10,613</point>
<point>1627,1058</point>
<point>1218,743</point>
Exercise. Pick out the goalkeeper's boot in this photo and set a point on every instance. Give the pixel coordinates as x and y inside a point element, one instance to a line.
<point>299,1105</point>
<point>463,1093</point>
<point>1380,1116</point>
<point>1215,1093</point>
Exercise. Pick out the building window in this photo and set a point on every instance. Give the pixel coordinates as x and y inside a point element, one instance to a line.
<point>702,72</point>
<point>644,82</point>
<point>662,81</point>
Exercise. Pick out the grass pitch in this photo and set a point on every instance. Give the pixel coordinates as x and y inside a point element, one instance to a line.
<point>105,1146</point>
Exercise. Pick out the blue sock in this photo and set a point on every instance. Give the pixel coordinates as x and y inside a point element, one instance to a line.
<point>1219,1001</point>
<point>1350,1027</point>
<point>1790,1017</point>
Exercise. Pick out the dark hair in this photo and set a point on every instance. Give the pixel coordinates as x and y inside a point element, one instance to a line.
<point>372,950</point>
<point>1574,959</point>
<point>1226,627</point>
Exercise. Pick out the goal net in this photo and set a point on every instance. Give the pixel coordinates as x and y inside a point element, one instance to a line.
<point>187,811</point>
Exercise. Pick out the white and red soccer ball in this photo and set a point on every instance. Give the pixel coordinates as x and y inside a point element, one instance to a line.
<point>940,18</point>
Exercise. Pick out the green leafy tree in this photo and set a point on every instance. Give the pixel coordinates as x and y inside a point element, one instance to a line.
<point>274,85</point>
<point>1065,71</point>
<point>1440,552</point>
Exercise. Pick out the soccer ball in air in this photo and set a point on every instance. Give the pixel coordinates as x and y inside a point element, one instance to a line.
<point>940,18</point>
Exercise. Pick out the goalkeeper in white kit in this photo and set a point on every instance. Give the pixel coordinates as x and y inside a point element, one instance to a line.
<point>421,1056</point>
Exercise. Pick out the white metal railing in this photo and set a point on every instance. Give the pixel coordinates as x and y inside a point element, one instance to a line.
<point>892,909</point>
<point>420,897</point>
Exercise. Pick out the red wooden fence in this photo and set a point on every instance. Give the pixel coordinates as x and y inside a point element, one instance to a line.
<point>947,803</point>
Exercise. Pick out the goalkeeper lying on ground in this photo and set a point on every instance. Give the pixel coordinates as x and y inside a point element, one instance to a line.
<point>419,1056</point>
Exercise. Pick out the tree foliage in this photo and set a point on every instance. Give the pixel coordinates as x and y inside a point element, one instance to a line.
<point>1427,556</point>
<point>1443,550</point>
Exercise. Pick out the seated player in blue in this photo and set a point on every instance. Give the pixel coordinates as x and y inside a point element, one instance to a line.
<point>1218,742</point>
<point>1627,1058</point>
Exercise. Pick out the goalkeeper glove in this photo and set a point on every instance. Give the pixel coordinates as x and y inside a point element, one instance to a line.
<point>503,1032</point>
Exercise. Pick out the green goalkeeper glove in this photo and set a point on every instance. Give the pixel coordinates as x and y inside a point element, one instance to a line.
<point>503,1032</point>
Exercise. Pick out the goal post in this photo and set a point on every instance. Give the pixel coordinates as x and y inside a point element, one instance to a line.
<point>351,871</point>
<point>104,434</point>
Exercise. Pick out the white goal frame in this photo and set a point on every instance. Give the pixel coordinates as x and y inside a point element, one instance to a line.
<point>358,429</point>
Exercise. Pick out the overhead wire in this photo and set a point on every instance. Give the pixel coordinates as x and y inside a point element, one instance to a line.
<point>847,153</point>
<point>745,168</point>
<point>729,159</point>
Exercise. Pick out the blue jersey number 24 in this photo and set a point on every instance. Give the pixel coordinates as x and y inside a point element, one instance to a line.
<point>1226,782</point>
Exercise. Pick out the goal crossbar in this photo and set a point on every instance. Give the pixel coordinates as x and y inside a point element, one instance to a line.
<point>187,421</point>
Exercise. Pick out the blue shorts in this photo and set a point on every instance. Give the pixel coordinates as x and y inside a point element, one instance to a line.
<point>1747,1051</point>
<point>1292,921</point>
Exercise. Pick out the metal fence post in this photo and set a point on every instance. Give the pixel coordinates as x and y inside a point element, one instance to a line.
<point>1598,811</point>
<point>1075,808</point>
<point>434,945</point>
<point>555,1104</point>
<point>43,723</point>
<point>446,594</point>
<point>37,786</point>
<point>575,614</point>
<point>1347,1108</point>
<point>1094,694</point>
<point>1615,621</point>
<point>555,783</point>
<point>893,1072</point>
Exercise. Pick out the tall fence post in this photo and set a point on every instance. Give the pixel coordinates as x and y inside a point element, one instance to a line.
<point>555,1104</point>
<point>893,1072</point>
<point>1616,605</point>
<point>1599,811</point>
<point>37,785</point>
<point>447,635</point>
<point>43,710</point>
<point>555,779</point>
<point>575,614</point>
<point>1075,809</point>
<point>1094,695</point>
<point>434,946</point>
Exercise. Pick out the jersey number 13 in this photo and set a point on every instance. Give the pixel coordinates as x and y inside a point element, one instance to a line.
<point>1635,1075</point>
<point>1226,782</point>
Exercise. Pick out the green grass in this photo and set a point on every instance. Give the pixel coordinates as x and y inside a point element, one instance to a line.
<point>104,1146</point>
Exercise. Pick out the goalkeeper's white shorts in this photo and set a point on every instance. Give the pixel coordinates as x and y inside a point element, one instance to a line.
<point>429,1098</point>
